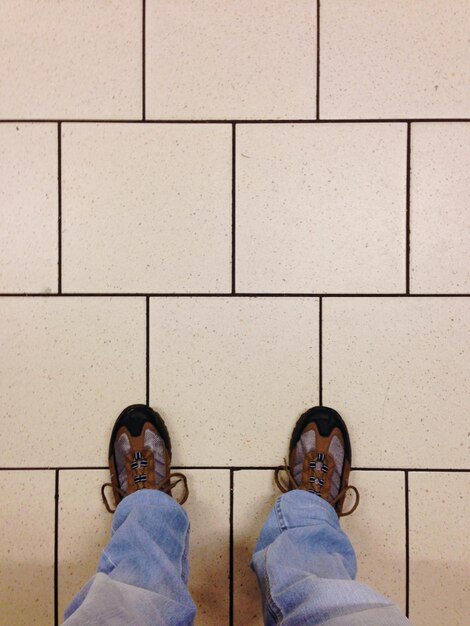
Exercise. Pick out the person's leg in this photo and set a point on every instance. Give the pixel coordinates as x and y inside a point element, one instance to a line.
<point>304,562</point>
<point>143,572</point>
<point>306,567</point>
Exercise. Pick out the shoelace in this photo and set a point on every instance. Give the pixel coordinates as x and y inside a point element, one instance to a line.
<point>290,484</point>
<point>165,485</point>
<point>139,462</point>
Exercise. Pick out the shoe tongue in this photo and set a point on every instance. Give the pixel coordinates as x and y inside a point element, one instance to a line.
<point>148,442</point>
<point>307,446</point>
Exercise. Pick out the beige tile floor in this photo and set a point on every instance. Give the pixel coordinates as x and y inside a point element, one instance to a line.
<point>234,211</point>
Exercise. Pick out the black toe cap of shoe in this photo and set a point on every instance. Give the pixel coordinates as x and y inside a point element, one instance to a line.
<point>325,420</point>
<point>133,418</point>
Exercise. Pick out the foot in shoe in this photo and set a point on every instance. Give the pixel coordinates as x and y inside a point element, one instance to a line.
<point>140,455</point>
<point>319,458</point>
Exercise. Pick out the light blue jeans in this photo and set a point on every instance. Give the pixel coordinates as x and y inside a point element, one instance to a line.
<point>304,562</point>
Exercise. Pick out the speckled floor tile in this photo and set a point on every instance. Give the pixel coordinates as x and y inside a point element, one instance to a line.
<point>254,495</point>
<point>84,529</point>
<point>233,59</point>
<point>70,59</point>
<point>376,530</point>
<point>205,183</point>
<point>394,59</point>
<point>141,203</point>
<point>28,208</point>
<point>439,548</point>
<point>230,373</point>
<point>321,208</point>
<point>209,499</point>
<point>396,369</point>
<point>27,548</point>
<point>68,366</point>
<point>440,201</point>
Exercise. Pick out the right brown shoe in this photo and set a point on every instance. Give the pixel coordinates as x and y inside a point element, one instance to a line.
<point>140,455</point>
<point>320,458</point>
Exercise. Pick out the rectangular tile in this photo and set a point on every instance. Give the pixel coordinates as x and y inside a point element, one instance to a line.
<point>394,59</point>
<point>229,373</point>
<point>321,208</point>
<point>376,530</point>
<point>147,208</point>
<point>253,497</point>
<point>28,208</point>
<point>439,548</point>
<point>233,59</point>
<point>395,368</point>
<point>440,200</point>
<point>208,508</point>
<point>71,59</point>
<point>68,366</point>
<point>27,548</point>
<point>84,530</point>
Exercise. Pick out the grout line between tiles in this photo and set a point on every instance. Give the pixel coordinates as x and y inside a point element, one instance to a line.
<point>234,155</point>
<point>143,57</point>
<point>56,549</point>
<point>233,295</point>
<point>411,469</point>
<point>407,545</point>
<point>231,556</point>
<point>147,350</point>
<point>59,208</point>
<point>320,351</point>
<point>240,468</point>
<point>408,179</point>
<point>318,61</point>
<point>388,120</point>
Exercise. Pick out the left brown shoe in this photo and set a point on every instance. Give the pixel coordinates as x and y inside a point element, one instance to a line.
<point>140,455</point>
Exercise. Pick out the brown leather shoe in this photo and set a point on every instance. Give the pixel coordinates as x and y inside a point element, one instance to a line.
<point>140,455</point>
<point>319,458</point>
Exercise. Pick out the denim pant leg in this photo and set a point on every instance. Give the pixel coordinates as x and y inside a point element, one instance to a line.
<point>306,567</point>
<point>143,571</point>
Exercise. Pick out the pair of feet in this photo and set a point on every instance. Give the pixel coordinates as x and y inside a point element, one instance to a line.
<point>319,457</point>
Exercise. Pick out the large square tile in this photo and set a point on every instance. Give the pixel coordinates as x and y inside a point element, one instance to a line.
<point>440,208</point>
<point>376,530</point>
<point>213,59</point>
<point>69,365</point>
<point>27,548</point>
<point>396,368</point>
<point>321,208</point>
<point>84,530</point>
<point>146,208</point>
<point>394,59</point>
<point>71,59</point>
<point>230,373</point>
<point>28,208</point>
<point>439,549</point>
